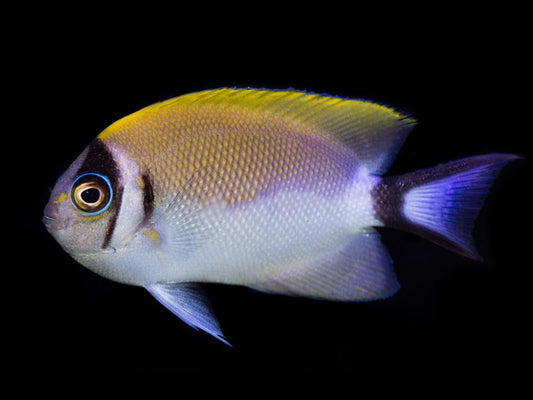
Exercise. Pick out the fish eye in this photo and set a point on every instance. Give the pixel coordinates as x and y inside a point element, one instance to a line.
<point>91,193</point>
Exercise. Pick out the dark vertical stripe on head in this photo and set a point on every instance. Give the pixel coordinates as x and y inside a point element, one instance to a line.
<point>99,160</point>
<point>148,197</point>
<point>113,218</point>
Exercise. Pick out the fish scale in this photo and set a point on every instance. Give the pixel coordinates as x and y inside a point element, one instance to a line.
<point>278,191</point>
<point>228,142</point>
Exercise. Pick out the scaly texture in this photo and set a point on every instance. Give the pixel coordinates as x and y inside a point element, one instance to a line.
<point>236,145</point>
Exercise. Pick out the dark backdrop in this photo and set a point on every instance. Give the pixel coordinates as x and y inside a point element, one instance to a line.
<point>467,82</point>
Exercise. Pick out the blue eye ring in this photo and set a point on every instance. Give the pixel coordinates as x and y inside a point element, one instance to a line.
<point>91,193</point>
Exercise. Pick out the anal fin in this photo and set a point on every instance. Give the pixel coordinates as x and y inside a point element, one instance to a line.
<point>189,303</point>
<point>359,269</point>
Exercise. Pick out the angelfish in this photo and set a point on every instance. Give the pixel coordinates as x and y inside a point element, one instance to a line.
<point>275,190</point>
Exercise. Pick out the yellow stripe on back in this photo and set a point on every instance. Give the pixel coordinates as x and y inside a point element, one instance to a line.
<point>235,144</point>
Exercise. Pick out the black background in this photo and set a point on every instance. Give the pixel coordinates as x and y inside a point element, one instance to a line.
<point>467,82</point>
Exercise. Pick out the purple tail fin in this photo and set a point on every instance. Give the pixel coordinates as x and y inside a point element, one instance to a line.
<point>440,203</point>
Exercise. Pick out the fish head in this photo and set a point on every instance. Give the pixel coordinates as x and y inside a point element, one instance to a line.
<point>95,205</point>
<point>77,212</point>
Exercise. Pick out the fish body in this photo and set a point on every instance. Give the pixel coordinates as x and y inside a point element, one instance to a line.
<point>278,191</point>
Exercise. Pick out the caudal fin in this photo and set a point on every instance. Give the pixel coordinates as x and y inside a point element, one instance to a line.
<point>441,203</point>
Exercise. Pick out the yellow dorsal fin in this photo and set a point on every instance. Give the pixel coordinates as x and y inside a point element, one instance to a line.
<point>373,131</point>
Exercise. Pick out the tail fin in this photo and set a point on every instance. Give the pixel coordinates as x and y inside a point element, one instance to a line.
<point>440,203</point>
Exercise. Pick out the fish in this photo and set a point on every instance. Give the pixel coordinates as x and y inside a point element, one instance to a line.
<point>279,191</point>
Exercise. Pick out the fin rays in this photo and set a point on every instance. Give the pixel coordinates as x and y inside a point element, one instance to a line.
<point>359,269</point>
<point>189,303</point>
<point>372,131</point>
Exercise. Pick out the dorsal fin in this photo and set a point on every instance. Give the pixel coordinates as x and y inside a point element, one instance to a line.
<point>373,131</point>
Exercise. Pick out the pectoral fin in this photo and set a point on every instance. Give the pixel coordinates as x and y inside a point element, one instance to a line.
<point>189,303</point>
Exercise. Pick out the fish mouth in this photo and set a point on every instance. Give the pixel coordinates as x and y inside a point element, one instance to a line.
<point>49,222</point>
<point>51,219</point>
<point>53,224</point>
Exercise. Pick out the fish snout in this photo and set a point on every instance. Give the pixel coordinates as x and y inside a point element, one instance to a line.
<point>52,219</point>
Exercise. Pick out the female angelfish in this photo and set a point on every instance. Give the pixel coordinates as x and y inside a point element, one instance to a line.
<point>274,190</point>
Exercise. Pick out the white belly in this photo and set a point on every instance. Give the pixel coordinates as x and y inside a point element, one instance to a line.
<point>245,243</point>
